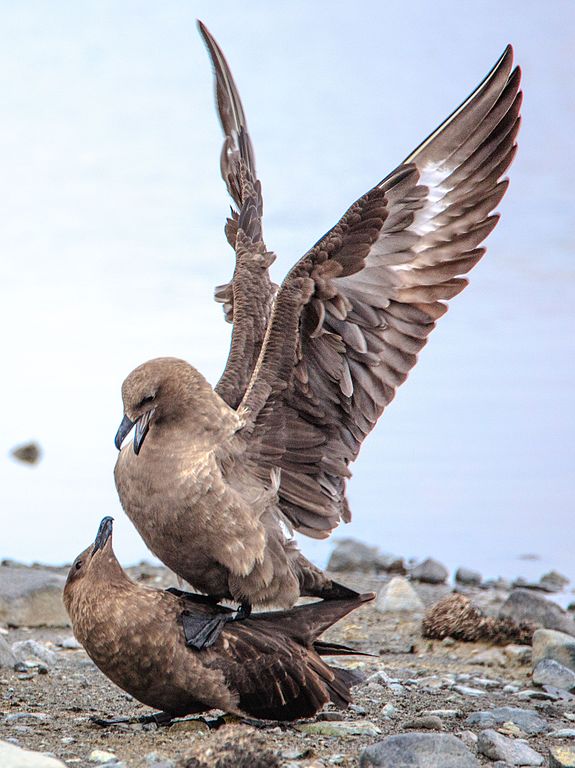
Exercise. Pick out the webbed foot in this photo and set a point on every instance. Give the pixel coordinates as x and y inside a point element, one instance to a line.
<point>203,631</point>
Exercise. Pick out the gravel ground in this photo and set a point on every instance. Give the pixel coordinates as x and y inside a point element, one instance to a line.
<point>49,708</point>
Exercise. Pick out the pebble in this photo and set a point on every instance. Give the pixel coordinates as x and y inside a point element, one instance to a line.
<point>69,643</point>
<point>563,733</point>
<point>425,723</point>
<point>398,596</point>
<point>418,750</point>
<point>32,717</point>
<point>562,757</point>
<point>490,657</point>
<point>519,653</point>
<point>466,690</point>
<point>444,714</point>
<point>523,605</point>
<point>495,746</point>
<point>388,711</point>
<point>342,728</point>
<point>102,757</point>
<point>468,577</point>
<point>551,672</point>
<point>550,644</point>
<point>13,756</point>
<point>528,720</point>
<point>430,571</point>
<point>153,760</point>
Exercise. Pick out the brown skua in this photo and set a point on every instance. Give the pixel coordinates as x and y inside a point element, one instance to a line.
<point>267,667</point>
<point>216,480</point>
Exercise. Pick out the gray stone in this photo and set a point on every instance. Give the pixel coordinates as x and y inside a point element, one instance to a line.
<point>425,723</point>
<point>24,649</point>
<point>495,746</point>
<point>550,644</point>
<point>69,643</point>
<point>551,672</point>
<point>554,581</point>
<point>523,605</point>
<point>31,597</point>
<point>563,733</point>
<point>31,717</point>
<point>398,596</point>
<point>562,757</point>
<point>490,657</point>
<point>466,690</point>
<point>101,757</point>
<point>12,756</point>
<point>153,760</point>
<point>7,658</point>
<point>444,714</point>
<point>342,728</point>
<point>430,571</point>
<point>418,750</point>
<point>519,653</point>
<point>352,555</point>
<point>528,720</point>
<point>468,577</point>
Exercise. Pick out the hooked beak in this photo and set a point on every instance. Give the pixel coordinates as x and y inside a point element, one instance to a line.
<point>142,426</point>
<point>123,431</point>
<point>104,533</point>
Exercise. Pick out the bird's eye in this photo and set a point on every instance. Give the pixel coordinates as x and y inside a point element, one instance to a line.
<point>78,564</point>
<point>146,400</point>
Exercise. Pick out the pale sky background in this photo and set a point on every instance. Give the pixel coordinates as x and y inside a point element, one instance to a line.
<point>111,241</point>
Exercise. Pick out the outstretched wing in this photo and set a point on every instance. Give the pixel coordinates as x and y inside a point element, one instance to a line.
<point>248,297</point>
<point>354,312</point>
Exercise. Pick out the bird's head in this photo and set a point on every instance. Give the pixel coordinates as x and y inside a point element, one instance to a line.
<point>95,561</point>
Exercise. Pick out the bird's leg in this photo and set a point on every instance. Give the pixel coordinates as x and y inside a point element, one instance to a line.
<point>203,631</point>
<point>159,718</point>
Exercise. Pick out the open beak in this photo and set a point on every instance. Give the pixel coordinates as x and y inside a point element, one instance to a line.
<point>104,533</point>
<point>142,426</point>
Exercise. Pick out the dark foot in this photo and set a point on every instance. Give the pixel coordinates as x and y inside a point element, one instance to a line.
<point>203,631</point>
<point>159,718</point>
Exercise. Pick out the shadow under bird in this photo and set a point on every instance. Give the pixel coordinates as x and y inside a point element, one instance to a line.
<point>216,480</point>
<point>268,667</point>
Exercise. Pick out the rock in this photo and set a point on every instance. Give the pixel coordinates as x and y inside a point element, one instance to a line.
<point>554,581</point>
<point>550,672</point>
<point>101,757</point>
<point>490,657</point>
<point>31,597</point>
<point>497,747</point>
<point>425,723</point>
<point>466,690</point>
<point>467,577</point>
<point>550,644</point>
<point>528,720</point>
<point>69,643</point>
<point>12,756</point>
<point>562,757</point>
<point>153,760</point>
<point>430,571</point>
<point>525,606</point>
<point>28,453</point>
<point>563,733</point>
<point>7,658</point>
<point>342,728</point>
<point>398,596</point>
<point>24,649</point>
<point>444,714</point>
<point>352,555</point>
<point>31,717</point>
<point>519,653</point>
<point>418,750</point>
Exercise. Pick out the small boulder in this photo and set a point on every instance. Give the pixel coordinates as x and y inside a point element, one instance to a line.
<point>398,596</point>
<point>468,577</point>
<point>528,720</point>
<point>495,746</point>
<point>7,658</point>
<point>554,581</point>
<point>525,606</point>
<point>352,555</point>
<point>430,571</point>
<point>12,756</point>
<point>551,672</point>
<point>31,597</point>
<point>418,750</point>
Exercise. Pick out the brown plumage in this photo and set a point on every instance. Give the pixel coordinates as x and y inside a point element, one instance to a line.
<point>268,667</point>
<point>209,485</point>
